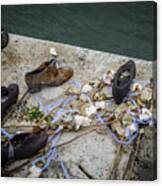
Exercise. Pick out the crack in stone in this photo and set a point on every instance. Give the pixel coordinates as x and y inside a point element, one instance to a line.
<point>85,172</point>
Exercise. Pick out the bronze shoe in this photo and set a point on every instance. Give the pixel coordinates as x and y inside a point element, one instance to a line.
<point>9,97</point>
<point>122,80</point>
<point>46,75</point>
<point>23,145</point>
<point>4,38</point>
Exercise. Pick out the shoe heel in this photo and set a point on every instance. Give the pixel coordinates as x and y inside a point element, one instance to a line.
<point>35,90</point>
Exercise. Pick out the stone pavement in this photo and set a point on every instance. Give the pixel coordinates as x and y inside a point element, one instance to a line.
<point>91,156</point>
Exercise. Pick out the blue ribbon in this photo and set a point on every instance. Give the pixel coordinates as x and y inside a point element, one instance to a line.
<point>141,81</point>
<point>75,83</point>
<point>127,131</point>
<point>130,138</point>
<point>66,175</point>
<point>89,99</point>
<point>49,107</point>
<point>60,112</point>
<point>43,109</point>
<point>54,105</point>
<point>6,134</point>
<point>49,156</point>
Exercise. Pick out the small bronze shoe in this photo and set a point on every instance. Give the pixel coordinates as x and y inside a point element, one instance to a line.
<point>122,81</point>
<point>46,75</point>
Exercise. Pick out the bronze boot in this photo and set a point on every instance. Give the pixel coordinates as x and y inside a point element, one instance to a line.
<point>46,75</point>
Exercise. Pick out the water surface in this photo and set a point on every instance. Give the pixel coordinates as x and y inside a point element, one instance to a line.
<point>123,28</point>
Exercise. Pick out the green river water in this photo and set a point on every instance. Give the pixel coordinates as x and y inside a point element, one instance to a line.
<point>122,28</point>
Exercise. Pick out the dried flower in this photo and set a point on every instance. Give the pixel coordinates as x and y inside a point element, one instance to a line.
<point>108,77</point>
<point>136,87</point>
<point>91,110</point>
<point>86,88</point>
<point>146,94</point>
<point>145,114</point>
<point>81,121</point>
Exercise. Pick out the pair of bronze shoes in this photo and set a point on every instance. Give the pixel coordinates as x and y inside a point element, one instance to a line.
<point>47,75</point>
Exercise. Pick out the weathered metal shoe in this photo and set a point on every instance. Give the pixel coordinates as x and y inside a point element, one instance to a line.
<point>4,38</point>
<point>22,146</point>
<point>122,80</point>
<point>9,97</point>
<point>47,75</point>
